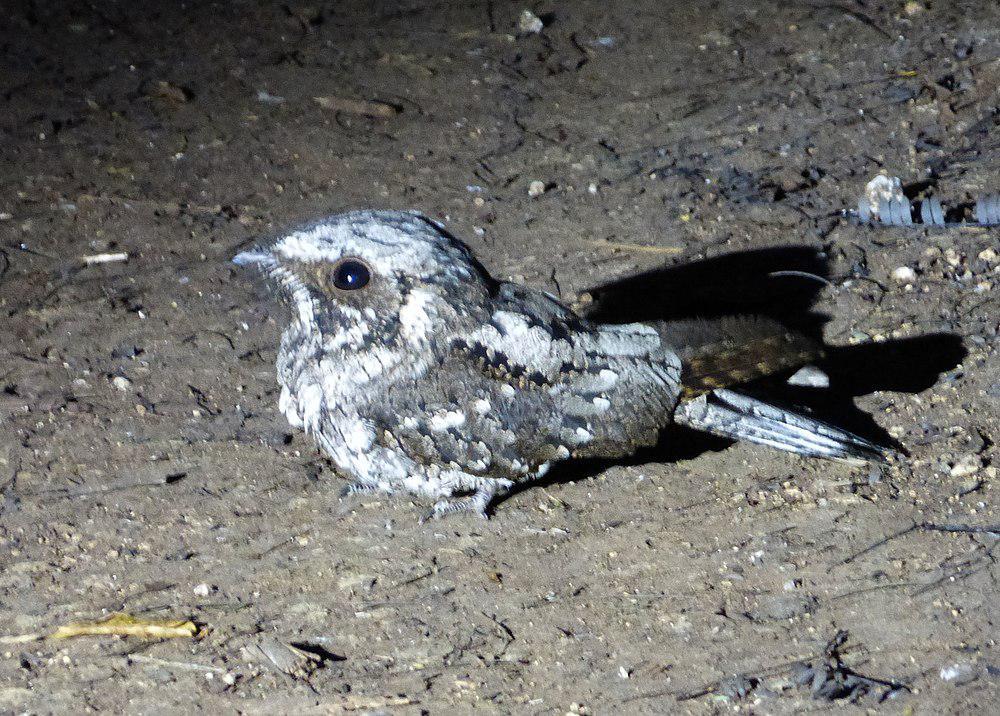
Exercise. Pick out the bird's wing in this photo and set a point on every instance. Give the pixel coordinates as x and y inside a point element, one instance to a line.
<point>735,350</point>
<point>534,384</point>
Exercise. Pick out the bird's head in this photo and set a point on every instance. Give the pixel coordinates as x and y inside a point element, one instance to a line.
<point>365,275</point>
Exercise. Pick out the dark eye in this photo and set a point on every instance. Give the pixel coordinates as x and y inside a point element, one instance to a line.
<point>351,274</point>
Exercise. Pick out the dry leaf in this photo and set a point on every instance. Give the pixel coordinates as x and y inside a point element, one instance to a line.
<point>119,624</point>
<point>12,639</point>
<point>293,660</point>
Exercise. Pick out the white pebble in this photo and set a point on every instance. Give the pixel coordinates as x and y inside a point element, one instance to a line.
<point>810,376</point>
<point>536,188</point>
<point>961,673</point>
<point>202,590</point>
<point>966,465</point>
<point>121,382</point>
<point>904,274</point>
<point>989,256</point>
<point>529,23</point>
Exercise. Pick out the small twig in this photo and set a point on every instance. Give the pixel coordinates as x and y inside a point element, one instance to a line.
<point>281,543</point>
<point>193,337</point>
<point>712,687</point>
<point>868,590</point>
<point>643,248</point>
<point>95,259</point>
<point>119,624</point>
<point>411,580</point>
<point>688,695</point>
<point>175,205</point>
<point>858,15</point>
<point>186,665</point>
<point>872,547</point>
<point>12,639</point>
<point>803,274</point>
<point>116,485</point>
<point>964,571</point>
<point>123,624</point>
<point>365,108</point>
<point>993,530</point>
<point>503,627</point>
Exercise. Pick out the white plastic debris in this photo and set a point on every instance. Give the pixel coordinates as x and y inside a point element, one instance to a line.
<point>882,194</point>
<point>884,202</point>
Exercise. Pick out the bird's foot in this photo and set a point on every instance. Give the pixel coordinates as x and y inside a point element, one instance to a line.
<point>475,503</point>
<point>450,507</point>
<point>360,488</point>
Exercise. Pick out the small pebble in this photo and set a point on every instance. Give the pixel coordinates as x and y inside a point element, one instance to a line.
<point>965,466</point>
<point>536,188</point>
<point>202,590</point>
<point>904,274</point>
<point>121,382</point>
<point>811,377</point>
<point>529,23</point>
<point>958,674</point>
<point>990,256</point>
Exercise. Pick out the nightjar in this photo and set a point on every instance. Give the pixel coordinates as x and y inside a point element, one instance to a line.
<point>415,370</point>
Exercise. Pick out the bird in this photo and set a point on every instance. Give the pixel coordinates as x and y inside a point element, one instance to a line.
<point>415,371</point>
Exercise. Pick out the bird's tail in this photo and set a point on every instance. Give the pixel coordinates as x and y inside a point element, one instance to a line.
<point>735,415</point>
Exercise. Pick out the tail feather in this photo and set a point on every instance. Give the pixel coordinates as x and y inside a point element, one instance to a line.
<point>734,350</point>
<point>740,417</point>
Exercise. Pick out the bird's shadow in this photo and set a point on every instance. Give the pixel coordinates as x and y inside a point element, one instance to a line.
<point>780,283</point>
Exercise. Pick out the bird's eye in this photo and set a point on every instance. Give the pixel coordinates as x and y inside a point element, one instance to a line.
<point>351,274</point>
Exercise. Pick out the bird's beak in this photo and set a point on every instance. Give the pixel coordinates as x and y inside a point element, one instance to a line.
<point>253,256</point>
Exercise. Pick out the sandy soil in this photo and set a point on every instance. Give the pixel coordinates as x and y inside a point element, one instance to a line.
<point>144,466</point>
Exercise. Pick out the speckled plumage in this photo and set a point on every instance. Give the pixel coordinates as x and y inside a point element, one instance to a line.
<point>436,379</point>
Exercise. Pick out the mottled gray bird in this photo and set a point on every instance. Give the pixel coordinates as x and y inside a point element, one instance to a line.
<point>415,370</point>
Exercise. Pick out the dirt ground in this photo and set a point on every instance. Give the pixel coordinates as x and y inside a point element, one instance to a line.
<point>144,467</point>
